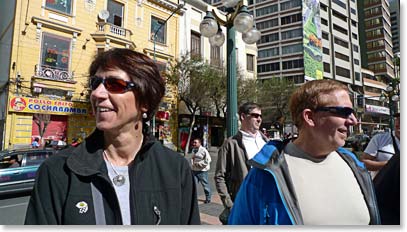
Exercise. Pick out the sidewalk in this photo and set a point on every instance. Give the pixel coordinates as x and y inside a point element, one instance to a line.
<point>209,212</point>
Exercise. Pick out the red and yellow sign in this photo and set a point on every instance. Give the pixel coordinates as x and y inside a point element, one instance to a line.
<point>46,106</point>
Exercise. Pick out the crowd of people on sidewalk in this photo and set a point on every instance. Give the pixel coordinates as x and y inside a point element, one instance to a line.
<point>121,175</point>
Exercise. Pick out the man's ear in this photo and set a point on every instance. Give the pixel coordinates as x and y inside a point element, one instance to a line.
<point>308,117</point>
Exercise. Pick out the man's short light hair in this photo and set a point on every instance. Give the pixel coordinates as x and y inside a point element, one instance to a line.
<point>307,96</point>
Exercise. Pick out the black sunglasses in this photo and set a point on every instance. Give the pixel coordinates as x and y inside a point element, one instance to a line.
<point>254,115</point>
<point>113,85</point>
<point>338,110</point>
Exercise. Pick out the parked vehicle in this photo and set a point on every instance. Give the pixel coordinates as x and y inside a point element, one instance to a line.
<point>18,168</point>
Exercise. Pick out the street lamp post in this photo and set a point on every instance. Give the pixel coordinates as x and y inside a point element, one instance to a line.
<point>393,95</point>
<point>237,19</point>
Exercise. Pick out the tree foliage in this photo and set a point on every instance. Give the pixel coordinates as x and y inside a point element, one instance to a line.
<point>274,95</point>
<point>198,84</point>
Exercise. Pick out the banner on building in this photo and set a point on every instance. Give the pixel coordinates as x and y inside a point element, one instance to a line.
<point>377,110</point>
<point>46,106</point>
<point>312,40</point>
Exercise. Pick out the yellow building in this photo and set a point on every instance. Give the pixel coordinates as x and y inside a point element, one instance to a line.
<point>47,47</point>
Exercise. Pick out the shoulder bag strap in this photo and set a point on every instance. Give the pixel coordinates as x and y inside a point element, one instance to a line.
<point>396,148</point>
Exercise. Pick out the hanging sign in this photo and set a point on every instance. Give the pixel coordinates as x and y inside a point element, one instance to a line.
<point>46,106</point>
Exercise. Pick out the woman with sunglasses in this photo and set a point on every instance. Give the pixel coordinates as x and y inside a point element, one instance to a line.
<point>120,174</point>
<point>311,180</point>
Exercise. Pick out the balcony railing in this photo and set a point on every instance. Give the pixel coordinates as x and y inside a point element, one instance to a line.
<point>52,73</point>
<point>108,28</point>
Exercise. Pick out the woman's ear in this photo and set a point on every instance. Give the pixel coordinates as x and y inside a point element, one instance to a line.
<point>143,109</point>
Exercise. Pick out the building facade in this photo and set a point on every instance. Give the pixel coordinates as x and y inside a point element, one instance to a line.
<point>207,126</point>
<point>376,38</point>
<point>50,45</point>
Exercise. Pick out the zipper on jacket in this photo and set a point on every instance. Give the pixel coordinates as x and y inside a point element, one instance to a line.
<point>158,213</point>
<point>266,215</point>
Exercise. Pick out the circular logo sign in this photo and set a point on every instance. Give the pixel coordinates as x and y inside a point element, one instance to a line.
<point>18,104</point>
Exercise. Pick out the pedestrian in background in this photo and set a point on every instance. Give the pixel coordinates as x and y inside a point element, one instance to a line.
<point>231,167</point>
<point>200,163</point>
<point>120,174</point>
<point>381,148</point>
<point>311,180</point>
<point>35,143</point>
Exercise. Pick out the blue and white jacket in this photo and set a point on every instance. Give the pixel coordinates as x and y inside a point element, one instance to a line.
<point>267,197</point>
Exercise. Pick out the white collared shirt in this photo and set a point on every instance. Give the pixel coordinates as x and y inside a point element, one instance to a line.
<point>252,144</point>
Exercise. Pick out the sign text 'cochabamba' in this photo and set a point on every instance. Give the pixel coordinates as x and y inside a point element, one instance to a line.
<point>45,106</point>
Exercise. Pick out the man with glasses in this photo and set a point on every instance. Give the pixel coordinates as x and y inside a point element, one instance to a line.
<point>231,167</point>
<point>311,180</point>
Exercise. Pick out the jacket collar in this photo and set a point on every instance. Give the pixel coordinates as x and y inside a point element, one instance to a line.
<point>87,158</point>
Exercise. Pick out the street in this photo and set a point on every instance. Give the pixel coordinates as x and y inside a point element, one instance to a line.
<point>210,212</point>
<point>13,207</point>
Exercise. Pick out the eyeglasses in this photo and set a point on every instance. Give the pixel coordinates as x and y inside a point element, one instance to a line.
<point>113,85</point>
<point>255,115</point>
<point>338,110</point>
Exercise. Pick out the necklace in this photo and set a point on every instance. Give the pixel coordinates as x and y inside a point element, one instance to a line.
<point>119,179</point>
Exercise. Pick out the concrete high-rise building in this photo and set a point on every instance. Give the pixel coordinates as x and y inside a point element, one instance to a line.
<point>376,38</point>
<point>395,24</point>
<point>285,39</point>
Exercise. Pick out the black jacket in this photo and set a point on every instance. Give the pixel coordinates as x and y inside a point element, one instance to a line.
<point>162,188</point>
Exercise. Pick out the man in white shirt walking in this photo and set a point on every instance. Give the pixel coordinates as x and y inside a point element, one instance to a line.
<point>200,163</point>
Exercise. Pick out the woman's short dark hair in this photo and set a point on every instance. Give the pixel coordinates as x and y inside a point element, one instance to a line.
<point>141,69</point>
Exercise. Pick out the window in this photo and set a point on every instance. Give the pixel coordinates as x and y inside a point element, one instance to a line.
<point>325,35</point>
<point>356,61</point>
<point>250,62</point>
<point>291,19</point>
<point>292,64</point>
<point>267,24</point>
<point>291,34</point>
<point>36,158</point>
<point>55,52</point>
<point>270,52</point>
<point>215,56</point>
<point>341,56</point>
<point>355,48</point>
<point>297,79</point>
<point>290,4</point>
<point>158,24</point>
<point>340,29</point>
<point>269,38</point>
<point>323,7</point>
<point>268,67</point>
<point>267,10</point>
<point>355,36</point>
<point>295,48</point>
<point>64,6</point>
<point>324,21</point>
<point>342,71</point>
<point>340,3</point>
<point>341,42</point>
<point>339,15</point>
<point>354,23</point>
<point>353,11</point>
<point>195,44</point>
<point>325,50</point>
<point>115,13</point>
<point>357,76</point>
<point>327,67</point>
